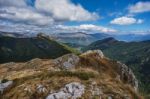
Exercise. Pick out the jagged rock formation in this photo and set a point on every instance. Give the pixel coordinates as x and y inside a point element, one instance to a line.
<point>89,75</point>
<point>126,75</point>
<point>72,90</point>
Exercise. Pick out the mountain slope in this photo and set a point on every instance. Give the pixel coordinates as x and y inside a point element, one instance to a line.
<point>79,38</point>
<point>23,49</point>
<point>89,76</point>
<point>134,54</point>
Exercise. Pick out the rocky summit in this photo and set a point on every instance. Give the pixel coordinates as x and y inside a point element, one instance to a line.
<point>90,75</point>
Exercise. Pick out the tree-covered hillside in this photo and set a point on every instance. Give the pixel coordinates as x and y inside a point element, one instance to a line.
<point>23,49</point>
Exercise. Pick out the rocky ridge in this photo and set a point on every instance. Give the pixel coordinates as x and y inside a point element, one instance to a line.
<point>125,74</point>
<point>90,75</point>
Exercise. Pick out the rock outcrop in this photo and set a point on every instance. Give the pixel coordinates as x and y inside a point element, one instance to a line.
<point>127,75</point>
<point>5,85</point>
<point>41,89</point>
<point>68,61</point>
<point>95,90</point>
<point>72,90</point>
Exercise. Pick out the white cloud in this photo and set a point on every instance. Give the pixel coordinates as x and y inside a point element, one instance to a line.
<point>139,7</point>
<point>16,3</point>
<point>25,15</point>
<point>88,28</point>
<point>65,10</point>
<point>45,12</point>
<point>18,11</point>
<point>126,21</point>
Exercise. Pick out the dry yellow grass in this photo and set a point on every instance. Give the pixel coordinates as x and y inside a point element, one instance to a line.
<point>29,75</point>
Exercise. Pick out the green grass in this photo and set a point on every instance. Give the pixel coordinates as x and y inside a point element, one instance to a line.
<point>73,50</point>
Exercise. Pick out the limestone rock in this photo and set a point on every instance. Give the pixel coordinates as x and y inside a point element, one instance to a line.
<point>72,90</point>
<point>95,90</point>
<point>127,75</point>
<point>5,85</point>
<point>41,89</point>
<point>109,97</point>
<point>68,61</point>
<point>28,89</point>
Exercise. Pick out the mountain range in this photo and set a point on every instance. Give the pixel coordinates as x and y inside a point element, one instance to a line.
<point>24,50</point>
<point>79,38</point>
<point>84,39</point>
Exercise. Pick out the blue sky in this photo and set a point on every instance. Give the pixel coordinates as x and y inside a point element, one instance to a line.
<point>111,9</point>
<point>51,16</point>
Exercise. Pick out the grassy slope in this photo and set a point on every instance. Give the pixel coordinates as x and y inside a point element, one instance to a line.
<point>90,69</point>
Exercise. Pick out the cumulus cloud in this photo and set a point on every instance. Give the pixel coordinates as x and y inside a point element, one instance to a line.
<point>88,28</point>
<point>18,27</point>
<point>126,21</point>
<point>139,7</point>
<point>65,10</point>
<point>45,12</point>
<point>16,3</point>
<point>18,11</point>
<point>25,15</point>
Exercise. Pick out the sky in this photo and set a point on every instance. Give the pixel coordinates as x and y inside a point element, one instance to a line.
<point>90,16</point>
